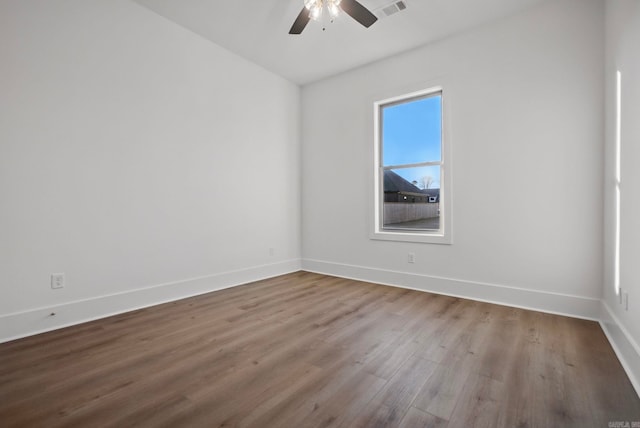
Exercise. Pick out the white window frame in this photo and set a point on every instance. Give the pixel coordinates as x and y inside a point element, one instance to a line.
<point>444,234</point>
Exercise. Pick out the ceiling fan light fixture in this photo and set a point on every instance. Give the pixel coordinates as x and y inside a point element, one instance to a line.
<point>316,13</point>
<point>315,8</point>
<point>333,8</point>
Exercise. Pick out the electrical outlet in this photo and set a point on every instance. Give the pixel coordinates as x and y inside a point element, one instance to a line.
<point>411,257</point>
<point>57,280</point>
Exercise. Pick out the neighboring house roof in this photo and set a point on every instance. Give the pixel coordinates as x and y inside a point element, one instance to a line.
<point>395,184</point>
<point>431,192</point>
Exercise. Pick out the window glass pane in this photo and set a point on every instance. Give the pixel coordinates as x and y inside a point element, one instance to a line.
<point>412,198</point>
<point>411,131</point>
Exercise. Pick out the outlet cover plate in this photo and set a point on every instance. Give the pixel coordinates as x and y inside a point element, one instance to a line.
<point>57,280</point>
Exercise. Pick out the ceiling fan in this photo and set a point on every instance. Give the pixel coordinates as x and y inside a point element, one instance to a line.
<point>313,10</point>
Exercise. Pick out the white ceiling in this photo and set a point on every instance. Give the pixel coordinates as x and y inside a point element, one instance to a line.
<point>258,30</point>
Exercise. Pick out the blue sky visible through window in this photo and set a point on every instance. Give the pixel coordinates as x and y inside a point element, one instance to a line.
<point>411,133</point>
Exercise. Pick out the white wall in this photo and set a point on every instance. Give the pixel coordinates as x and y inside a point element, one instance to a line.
<point>623,54</point>
<point>526,99</point>
<point>133,153</point>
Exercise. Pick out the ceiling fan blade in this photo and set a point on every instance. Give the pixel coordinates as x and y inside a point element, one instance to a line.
<point>358,12</point>
<point>301,21</point>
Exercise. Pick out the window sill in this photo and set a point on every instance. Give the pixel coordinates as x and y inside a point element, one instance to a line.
<point>419,237</point>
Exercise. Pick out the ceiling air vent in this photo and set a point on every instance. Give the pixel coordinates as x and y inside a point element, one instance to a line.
<point>390,9</point>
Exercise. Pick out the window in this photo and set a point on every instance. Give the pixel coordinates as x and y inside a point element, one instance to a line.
<point>412,189</point>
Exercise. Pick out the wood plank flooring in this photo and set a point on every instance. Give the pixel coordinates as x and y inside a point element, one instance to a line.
<point>308,350</point>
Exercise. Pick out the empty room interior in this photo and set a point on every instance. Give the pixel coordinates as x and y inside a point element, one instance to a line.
<point>290,213</point>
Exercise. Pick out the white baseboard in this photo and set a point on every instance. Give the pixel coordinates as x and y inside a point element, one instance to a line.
<point>22,324</point>
<point>625,347</point>
<point>555,303</point>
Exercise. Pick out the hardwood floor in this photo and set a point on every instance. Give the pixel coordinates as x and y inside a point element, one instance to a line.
<point>308,350</point>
